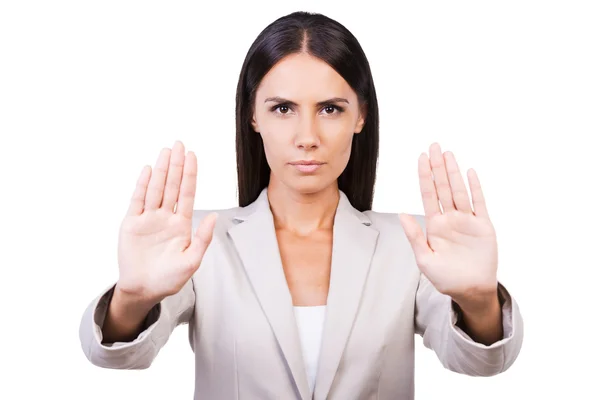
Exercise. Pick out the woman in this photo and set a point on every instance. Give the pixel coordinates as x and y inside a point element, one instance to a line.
<point>302,291</point>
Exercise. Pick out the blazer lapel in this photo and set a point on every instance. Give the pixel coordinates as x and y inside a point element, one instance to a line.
<point>255,239</point>
<point>354,242</point>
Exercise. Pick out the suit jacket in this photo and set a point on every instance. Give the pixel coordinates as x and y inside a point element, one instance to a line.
<point>242,325</point>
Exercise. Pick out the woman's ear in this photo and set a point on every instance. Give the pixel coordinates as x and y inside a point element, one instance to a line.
<point>360,123</point>
<point>254,124</point>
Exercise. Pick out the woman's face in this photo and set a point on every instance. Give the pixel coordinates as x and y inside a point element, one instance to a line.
<point>307,115</point>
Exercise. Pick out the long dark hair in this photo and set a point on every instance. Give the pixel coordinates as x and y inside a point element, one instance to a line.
<point>328,40</point>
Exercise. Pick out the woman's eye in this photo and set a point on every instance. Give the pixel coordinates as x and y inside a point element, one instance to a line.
<point>333,109</point>
<point>280,109</point>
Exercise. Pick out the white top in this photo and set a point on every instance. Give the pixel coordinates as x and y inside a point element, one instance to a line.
<point>310,326</point>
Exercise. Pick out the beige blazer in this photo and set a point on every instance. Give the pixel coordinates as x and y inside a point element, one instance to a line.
<point>243,331</point>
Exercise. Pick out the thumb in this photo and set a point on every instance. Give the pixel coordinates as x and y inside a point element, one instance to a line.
<point>415,236</point>
<point>201,240</point>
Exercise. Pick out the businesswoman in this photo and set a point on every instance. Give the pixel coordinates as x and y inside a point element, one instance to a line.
<point>302,291</point>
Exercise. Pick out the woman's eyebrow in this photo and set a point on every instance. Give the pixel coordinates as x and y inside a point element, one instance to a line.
<point>278,99</point>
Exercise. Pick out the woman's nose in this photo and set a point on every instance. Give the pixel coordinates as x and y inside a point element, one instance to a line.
<point>307,136</point>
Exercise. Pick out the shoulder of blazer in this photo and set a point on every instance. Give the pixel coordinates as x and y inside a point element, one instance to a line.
<point>226,212</point>
<point>224,221</point>
<point>387,220</point>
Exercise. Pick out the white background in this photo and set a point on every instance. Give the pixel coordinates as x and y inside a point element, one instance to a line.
<point>91,91</point>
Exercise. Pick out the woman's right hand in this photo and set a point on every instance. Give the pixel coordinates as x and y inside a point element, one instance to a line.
<point>156,252</point>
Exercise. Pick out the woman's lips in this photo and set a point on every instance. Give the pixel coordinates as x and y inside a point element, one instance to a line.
<point>307,166</point>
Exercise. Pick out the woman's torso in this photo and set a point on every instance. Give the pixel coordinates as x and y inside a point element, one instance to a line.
<point>246,333</point>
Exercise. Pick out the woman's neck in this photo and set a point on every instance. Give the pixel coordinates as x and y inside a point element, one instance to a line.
<point>302,213</point>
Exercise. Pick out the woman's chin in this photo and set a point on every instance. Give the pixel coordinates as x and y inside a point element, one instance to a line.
<point>309,184</point>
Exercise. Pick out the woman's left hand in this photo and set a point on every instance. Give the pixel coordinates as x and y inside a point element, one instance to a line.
<point>459,253</point>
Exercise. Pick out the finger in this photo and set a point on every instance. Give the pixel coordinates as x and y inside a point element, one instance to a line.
<point>174,176</point>
<point>479,205</point>
<point>187,192</point>
<point>416,237</point>
<point>431,203</point>
<point>136,205</point>
<point>156,187</point>
<point>440,177</point>
<point>457,184</point>
<point>201,240</point>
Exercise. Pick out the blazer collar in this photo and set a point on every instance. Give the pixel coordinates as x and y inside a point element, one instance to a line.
<point>261,205</point>
<point>354,241</point>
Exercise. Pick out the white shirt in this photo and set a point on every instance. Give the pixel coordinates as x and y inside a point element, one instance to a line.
<point>310,327</point>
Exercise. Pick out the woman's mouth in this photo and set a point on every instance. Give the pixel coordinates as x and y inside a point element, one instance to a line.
<point>307,166</point>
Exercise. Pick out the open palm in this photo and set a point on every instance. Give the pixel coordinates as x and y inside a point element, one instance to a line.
<point>458,252</point>
<point>157,252</point>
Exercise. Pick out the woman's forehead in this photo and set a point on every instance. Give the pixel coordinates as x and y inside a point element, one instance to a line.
<point>301,76</point>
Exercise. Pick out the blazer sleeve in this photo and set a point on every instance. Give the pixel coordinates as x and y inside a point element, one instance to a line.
<point>436,321</point>
<point>141,352</point>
